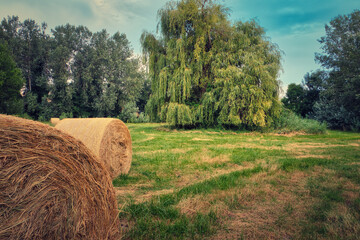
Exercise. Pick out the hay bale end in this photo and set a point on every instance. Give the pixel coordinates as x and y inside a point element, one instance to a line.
<point>108,138</point>
<point>52,186</point>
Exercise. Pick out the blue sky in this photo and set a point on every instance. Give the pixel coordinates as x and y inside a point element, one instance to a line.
<point>292,24</point>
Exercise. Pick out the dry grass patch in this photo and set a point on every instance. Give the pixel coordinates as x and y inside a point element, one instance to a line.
<point>218,159</point>
<point>269,211</point>
<point>144,140</point>
<point>354,144</point>
<point>202,204</point>
<point>175,150</point>
<point>247,145</point>
<point>198,176</point>
<point>202,139</point>
<point>130,190</point>
<point>341,222</point>
<point>290,134</point>
<point>292,146</point>
<point>313,156</point>
<point>181,150</point>
<point>150,195</point>
<point>151,152</point>
<point>203,157</point>
<point>305,150</point>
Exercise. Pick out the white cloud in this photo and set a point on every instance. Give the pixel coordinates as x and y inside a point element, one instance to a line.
<point>289,10</point>
<point>283,90</point>
<point>307,28</point>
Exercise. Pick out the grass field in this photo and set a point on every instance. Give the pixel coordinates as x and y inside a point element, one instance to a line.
<point>215,184</point>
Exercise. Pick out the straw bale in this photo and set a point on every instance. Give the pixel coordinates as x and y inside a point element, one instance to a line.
<point>52,186</point>
<point>108,138</point>
<point>54,121</point>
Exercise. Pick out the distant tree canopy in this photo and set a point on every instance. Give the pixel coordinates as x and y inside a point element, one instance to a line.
<point>11,82</point>
<point>73,72</point>
<point>300,98</point>
<point>205,71</point>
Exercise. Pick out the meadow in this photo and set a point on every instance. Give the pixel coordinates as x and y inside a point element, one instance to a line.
<point>222,184</point>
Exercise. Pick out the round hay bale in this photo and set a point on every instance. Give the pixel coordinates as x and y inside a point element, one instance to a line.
<point>108,138</point>
<point>52,186</point>
<point>54,121</point>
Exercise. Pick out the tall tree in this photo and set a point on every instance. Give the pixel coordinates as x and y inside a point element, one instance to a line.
<point>30,47</point>
<point>300,98</point>
<point>294,99</point>
<point>206,71</point>
<point>74,72</point>
<point>67,65</point>
<point>313,85</point>
<point>340,56</point>
<point>11,82</point>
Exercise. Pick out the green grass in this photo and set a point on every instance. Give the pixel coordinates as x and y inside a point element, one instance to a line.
<point>320,222</point>
<point>196,184</point>
<point>169,222</point>
<point>124,180</point>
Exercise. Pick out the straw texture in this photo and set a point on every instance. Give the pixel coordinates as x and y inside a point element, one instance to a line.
<point>54,121</point>
<point>108,138</point>
<point>52,186</point>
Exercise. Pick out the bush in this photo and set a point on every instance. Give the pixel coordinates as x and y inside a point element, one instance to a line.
<point>288,121</point>
<point>66,115</point>
<point>142,118</point>
<point>130,114</point>
<point>24,115</point>
<point>336,117</point>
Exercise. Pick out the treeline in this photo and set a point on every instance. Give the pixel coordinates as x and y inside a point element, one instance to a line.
<point>71,72</point>
<point>332,94</point>
<point>204,71</point>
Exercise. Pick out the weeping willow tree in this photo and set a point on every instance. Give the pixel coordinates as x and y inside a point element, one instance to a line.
<point>206,71</point>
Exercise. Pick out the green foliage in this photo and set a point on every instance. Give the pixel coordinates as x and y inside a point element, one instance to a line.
<point>290,122</point>
<point>11,82</point>
<point>312,84</point>
<point>65,115</point>
<point>129,112</point>
<point>29,45</point>
<point>178,115</point>
<point>294,99</point>
<point>332,96</point>
<point>74,71</point>
<point>301,98</point>
<point>340,56</point>
<point>206,71</point>
<point>336,117</point>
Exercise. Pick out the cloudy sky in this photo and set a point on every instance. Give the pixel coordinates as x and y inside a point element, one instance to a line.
<point>295,25</point>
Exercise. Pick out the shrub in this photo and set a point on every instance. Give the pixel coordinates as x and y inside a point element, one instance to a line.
<point>288,121</point>
<point>336,117</point>
<point>130,114</point>
<point>66,115</point>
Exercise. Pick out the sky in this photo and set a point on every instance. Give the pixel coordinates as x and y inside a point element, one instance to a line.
<point>294,25</point>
